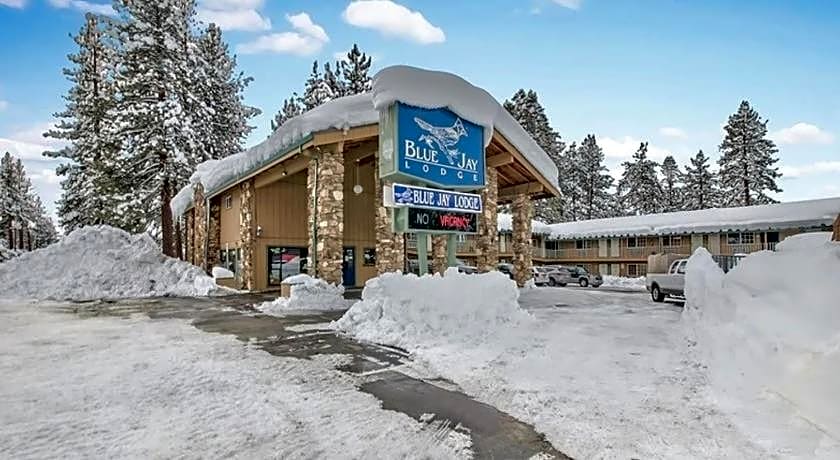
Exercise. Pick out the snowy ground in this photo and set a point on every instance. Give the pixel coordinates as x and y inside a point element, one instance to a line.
<point>107,387</point>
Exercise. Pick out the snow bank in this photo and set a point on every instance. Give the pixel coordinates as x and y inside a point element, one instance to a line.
<point>769,332</point>
<point>101,262</point>
<point>307,293</point>
<point>795,214</point>
<point>623,282</point>
<point>414,312</point>
<point>418,87</point>
<point>221,272</point>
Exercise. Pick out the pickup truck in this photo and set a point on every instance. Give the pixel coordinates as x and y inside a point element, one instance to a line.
<point>661,285</point>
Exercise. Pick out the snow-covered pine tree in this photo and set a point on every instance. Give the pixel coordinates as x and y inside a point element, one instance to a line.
<point>158,109</point>
<point>571,180</point>
<point>526,108</point>
<point>221,89</point>
<point>672,187</point>
<point>639,190</point>
<point>700,184</point>
<point>747,158</point>
<point>595,180</point>
<point>316,91</point>
<point>334,79</point>
<point>354,71</point>
<point>23,220</point>
<point>89,188</point>
<point>291,108</point>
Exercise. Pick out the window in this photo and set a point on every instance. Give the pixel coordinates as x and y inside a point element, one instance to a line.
<point>740,238</point>
<point>369,257</point>
<point>636,270</point>
<point>636,242</point>
<point>284,262</point>
<point>681,268</point>
<point>671,241</point>
<point>552,244</point>
<point>585,244</point>
<point>230,259</point>
<point>747,238</point>
<point>228,201</point>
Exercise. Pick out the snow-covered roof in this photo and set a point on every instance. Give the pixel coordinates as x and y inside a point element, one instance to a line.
<point>796,214</point>
<point>418,87</point>
<point>504,222</point>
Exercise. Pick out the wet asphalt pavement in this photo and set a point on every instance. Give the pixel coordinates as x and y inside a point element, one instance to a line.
<point>494,434</point>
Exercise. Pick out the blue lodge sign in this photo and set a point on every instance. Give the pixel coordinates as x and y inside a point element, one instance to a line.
<point>400,195</point>
<point>434,146</point>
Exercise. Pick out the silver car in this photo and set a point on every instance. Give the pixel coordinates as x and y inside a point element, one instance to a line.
<point>557,276</point>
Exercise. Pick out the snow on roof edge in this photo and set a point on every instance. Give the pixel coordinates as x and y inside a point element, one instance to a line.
<point>419,87</point>
<point>794,214</point>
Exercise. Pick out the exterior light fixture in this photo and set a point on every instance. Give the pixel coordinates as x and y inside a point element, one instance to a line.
<point>357,189</point>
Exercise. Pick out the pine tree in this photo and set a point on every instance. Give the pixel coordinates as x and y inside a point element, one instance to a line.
<point>638,190</point>
<point>334,79</point>
<point>221,88</point>
<point>159,111</point>
<point>355,72</point>
<point>525,108</point>
<point>291,108</point>
<point>571,181</point>
<point>23,220</point>
<point>700,184</point>
<point>672,189</point>
<point>316,91</point>
<point>89,188</point>
<point>747,159</point>
<point>595,180</point>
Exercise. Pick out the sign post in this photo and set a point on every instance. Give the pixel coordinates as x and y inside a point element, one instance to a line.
<point>434,147</point>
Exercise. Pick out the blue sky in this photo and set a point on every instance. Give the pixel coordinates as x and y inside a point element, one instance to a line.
<point>664,71</point>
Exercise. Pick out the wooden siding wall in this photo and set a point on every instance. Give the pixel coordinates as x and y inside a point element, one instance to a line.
<point>229,219</point>
<point>359,212</point>
<point>281,213</point>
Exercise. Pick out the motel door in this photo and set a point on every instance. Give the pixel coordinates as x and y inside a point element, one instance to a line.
<point>348,267</point>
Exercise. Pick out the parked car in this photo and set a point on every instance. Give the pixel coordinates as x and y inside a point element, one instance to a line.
<point>540,276</point>
<point>464,268</point>
<point>672,283</point>
<point>558,276</point>
<point>505,268</point>
<point>582,277</point>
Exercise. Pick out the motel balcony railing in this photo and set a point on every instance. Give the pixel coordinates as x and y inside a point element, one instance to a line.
<point>732,249</point>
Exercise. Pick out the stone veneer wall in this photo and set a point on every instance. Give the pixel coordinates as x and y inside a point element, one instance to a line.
<point>214,235</point>
<point>200,218</point>
<point>390,246</point>
<point>247,233</point>
<point>439,262</point>
<point>835,236</point>
<point>522,210</point>
<point>330,214</point>
<point>189,236</point>
<point>487,242</point>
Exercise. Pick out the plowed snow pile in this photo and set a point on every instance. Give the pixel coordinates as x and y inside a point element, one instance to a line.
<point>422,312</point>
<point>100,262</point>
<point>769,332</point>
<point>307,294</point>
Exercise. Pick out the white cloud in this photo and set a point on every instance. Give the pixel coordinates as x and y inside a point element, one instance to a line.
<point>85,6</point>
<point>626,146</point>
<point>570,4</point>
<point>802,133</point>
<point>234,14</point>
<point>46,176</point>
<point>394,20</point>
<point>3,105</point>
<point>308,38</point>
<point>673,132</point>
<point>819,167</point>
<point>29,143</point>
<point>13,3</point>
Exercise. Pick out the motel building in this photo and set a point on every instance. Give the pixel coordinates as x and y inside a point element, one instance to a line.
<point>425,156</point>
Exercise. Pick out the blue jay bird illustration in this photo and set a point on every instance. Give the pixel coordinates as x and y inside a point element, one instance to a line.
<point>446,138</point>
<point>404,197</point>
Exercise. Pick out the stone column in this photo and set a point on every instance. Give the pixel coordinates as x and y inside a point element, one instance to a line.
<point>327,215</point>
<point>439,262</point>
<point>247,233</point>
<point>189,236</point>
<point>390,250</point>
<point>200,217</point>
<point>214,235</point>
<point>522,210</point>
<point>835,236</point>
<point>487,241</point>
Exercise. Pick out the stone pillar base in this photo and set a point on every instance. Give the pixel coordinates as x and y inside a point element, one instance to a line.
<point>488,228</point>
<point>247,233</point>
<point>439,262</point>
<point>522,209</point>
<point>325,187</point>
